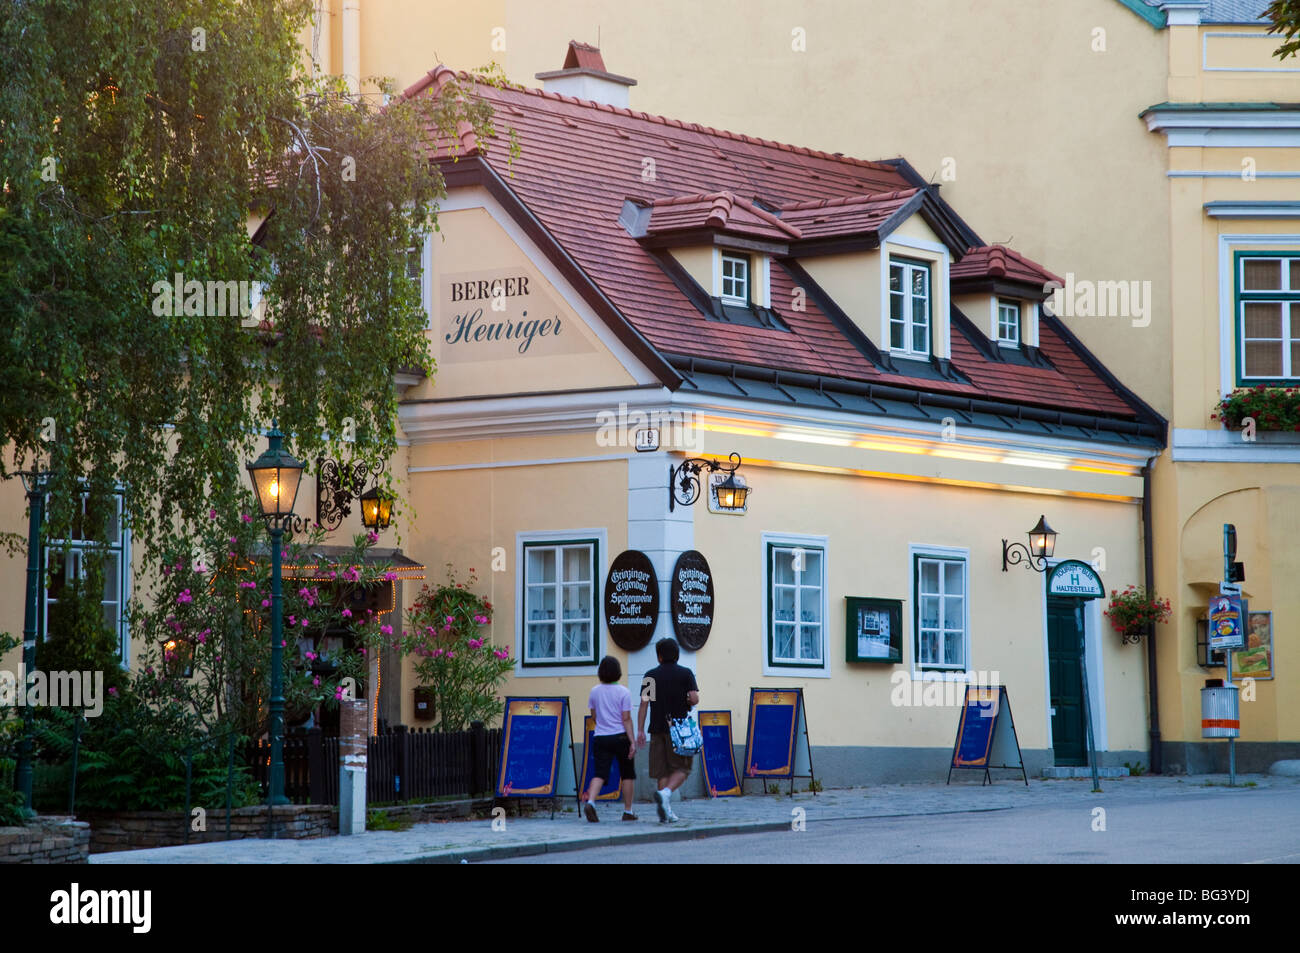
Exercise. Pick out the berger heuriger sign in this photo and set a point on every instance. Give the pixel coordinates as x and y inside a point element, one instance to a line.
<point>691,596</point>
<point>631,600</point>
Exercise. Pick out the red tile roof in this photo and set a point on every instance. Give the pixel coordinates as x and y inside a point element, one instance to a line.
<point>581,160</point>
<point>584,56</point>
<point>722,211</point>
<point>998,261</point>
<point>849,215</point>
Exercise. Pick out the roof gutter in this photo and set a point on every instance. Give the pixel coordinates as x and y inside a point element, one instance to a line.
<point>920,398</point>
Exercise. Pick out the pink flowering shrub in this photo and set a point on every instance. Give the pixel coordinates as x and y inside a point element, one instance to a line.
<point>454,655</point>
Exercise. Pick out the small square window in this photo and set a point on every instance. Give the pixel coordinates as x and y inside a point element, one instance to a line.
<point>1268,318</point>
<point>1008,322</point>
<point>735,278</point>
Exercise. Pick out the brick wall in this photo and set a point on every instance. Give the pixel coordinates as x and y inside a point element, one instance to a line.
<point>135,830</point>
<point>46,840</point>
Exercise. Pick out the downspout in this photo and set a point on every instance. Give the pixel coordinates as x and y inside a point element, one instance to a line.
<point>352,45</point>
<point>1148,548</point>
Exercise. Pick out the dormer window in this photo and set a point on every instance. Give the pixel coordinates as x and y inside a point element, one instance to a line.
<point>1009,322</point>
<point>735,278</point>
<point>909,307</point>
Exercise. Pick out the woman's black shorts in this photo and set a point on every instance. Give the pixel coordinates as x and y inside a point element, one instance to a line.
<point>609,747</point>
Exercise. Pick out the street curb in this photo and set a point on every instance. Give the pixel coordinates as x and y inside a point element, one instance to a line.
<point>506,852</point>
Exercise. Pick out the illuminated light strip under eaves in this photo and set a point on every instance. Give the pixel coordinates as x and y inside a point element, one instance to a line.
<point>916,447</point>
<point>943,481</point>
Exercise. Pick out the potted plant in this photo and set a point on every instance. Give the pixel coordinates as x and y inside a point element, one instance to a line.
<point>1131,611</point>
<point>1270,408</point>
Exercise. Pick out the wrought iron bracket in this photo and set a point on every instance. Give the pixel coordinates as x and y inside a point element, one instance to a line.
<point>1018,553</point>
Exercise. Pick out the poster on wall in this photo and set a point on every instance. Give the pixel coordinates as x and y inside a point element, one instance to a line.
<point>1226,630</point>
<point>875,630</point>
<point>631,600</point>
<point>1255,660</point>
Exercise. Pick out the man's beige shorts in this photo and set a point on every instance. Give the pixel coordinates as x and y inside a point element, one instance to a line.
<point>664,760</point>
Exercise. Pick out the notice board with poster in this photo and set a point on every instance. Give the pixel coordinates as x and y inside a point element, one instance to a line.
<point>986,734</point>
<point>719,757</point>
<point>776,740</point>
<point>610,789</point>
<point>537,750</point>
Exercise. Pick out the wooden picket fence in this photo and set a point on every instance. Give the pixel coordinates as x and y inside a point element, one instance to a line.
<point>402,764</point>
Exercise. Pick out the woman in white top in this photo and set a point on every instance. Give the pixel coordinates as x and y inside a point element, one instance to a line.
<point>611,707</point>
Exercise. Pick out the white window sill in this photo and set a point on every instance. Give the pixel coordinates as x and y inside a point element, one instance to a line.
<point>910,356</point>
<point>554,671</point>
<point>795,671</point>
<point>1010,344</point>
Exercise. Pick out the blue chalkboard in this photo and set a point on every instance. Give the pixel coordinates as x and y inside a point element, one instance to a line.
<point>530,748</point>
<point>986,733</point>
<point>719,756</point>
<point>610,789</point>
<point>773,737</point>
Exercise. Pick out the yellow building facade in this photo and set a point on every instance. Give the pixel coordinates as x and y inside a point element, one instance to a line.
<point>1106,138</point>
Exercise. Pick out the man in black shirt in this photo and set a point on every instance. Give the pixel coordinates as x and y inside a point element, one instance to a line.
<point>668,691</point>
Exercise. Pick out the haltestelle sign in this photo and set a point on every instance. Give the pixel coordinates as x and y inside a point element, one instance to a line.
<point>501,315</point>
<point>1075,578</point>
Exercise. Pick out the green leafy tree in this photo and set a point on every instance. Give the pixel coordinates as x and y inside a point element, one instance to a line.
<point>1285,15</point>
<point>140,138</point>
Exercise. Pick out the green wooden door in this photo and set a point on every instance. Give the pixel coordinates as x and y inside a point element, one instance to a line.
<point>1063,642</point>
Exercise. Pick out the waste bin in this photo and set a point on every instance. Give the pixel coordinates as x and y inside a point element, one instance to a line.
<point>1219,710</point>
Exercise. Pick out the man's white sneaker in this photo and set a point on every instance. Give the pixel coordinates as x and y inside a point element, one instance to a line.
<point>671,816</point>
<point>661,805</point>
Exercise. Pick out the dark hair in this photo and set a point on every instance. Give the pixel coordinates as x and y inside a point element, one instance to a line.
<point>609,671</point>
<point>667,650</point>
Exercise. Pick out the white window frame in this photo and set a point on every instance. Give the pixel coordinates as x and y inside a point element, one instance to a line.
<point>1229,244</point>
<point>80,549</point>
<point>735,257</point>
<point>910,266</point>
<point>599,569</point>
<point>425,250</point>
<point>999,305</point>
<point>937,256</point>
<point>1285,297</point>
<point>917,551</point>
<point>820,543</point>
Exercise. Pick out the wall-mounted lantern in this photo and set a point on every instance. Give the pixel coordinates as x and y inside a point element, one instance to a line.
<point>684,483</point>
<point>1042,543</point>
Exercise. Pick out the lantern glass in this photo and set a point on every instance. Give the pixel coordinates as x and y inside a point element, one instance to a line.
<point>730,494</point>
<point>376,509</point>
<point>276,475</point>
<point>1042,540</point>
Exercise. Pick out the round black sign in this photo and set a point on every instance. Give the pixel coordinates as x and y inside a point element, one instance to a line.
<point>691,596</point>
<point>631,600</point>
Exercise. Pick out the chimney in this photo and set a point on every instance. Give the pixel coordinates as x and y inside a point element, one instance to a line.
<point>584,76</point>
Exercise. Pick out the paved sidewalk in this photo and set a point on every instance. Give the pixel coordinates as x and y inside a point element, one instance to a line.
<point>456,841</point>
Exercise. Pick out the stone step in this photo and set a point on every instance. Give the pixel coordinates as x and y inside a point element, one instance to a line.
<point>1063,772</point>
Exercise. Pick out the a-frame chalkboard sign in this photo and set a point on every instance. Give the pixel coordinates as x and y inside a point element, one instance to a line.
<point>537,758</point>
<point>986,734</point>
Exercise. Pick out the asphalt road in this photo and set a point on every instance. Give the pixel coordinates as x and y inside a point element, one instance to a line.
<point>1183,830</point>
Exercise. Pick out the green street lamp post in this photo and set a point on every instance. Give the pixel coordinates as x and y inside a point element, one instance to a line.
<point>276,475</point>
<point>34,484</point>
